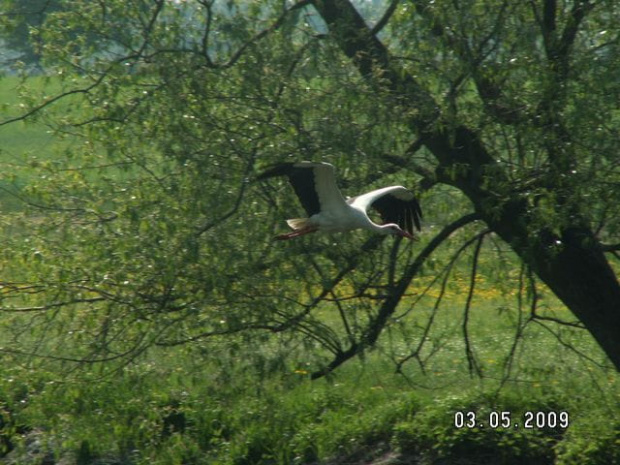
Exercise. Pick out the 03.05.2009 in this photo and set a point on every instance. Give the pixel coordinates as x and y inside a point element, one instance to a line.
<point>506,419</point>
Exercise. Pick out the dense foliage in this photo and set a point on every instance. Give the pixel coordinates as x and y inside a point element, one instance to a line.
<point>144,227</point>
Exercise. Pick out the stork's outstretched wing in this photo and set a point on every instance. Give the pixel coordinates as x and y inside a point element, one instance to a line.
<point>314,184</point>
<point>395,204</point>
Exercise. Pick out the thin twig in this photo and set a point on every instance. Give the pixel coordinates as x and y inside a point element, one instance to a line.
<point>385,18</point>
<point>472,364</point>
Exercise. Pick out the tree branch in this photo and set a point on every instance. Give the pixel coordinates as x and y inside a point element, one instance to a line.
<point>40,308</point>
<point>471,358</point>
<point>378,323</point>
<point>385,18</point>
<point>488,90</point>
<point>610,247</point>
<point>557,47</point>
<point>372,59</point>
<point>442,290</point>
<point>53,100</point>
<point>257,37</point>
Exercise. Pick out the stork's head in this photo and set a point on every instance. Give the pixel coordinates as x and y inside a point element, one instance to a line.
<point>393,229</point>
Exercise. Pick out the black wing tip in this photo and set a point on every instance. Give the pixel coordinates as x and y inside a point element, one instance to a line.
<point>417,213</point>
<point>405,213</point>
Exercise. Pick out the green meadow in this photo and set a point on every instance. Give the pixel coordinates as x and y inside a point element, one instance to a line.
<point>22,144</point>
<point>20,139</point>
<point>499,388</point>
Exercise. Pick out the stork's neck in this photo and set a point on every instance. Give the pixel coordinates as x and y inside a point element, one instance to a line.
<point>362,220</point>
<point>392,229</point>
<point>384,229</point>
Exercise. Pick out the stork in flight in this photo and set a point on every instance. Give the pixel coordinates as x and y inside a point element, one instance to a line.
<point>315,185</point>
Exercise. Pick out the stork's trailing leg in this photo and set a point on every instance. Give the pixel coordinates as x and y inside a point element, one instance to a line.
<point>301,227</point>
<point>296,233</point>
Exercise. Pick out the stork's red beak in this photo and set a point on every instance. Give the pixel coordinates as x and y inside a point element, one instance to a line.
<point>409,236</point>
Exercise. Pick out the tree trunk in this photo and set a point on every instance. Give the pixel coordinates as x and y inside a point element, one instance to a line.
<point>579,274</point>
<point>570,263</point>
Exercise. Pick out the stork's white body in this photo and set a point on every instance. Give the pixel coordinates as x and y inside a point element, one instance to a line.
<point>333,220</point>
<point>328,211</point>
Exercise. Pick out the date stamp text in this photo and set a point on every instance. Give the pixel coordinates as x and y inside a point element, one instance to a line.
<point>505,419</point>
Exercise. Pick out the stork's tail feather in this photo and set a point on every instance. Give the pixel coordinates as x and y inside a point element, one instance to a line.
<point>298,223</point>
<point>300,226</point>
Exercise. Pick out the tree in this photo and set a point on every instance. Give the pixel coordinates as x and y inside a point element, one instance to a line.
<point>154,234</point>
<point>562,249</point>
<point>22,22</point>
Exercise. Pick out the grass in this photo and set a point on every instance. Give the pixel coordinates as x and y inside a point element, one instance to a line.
<point>21,138</point>
<point>171,407</point>
<point>21,144</point>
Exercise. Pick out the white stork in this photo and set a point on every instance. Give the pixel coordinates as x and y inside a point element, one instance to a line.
<point>315,185</point>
